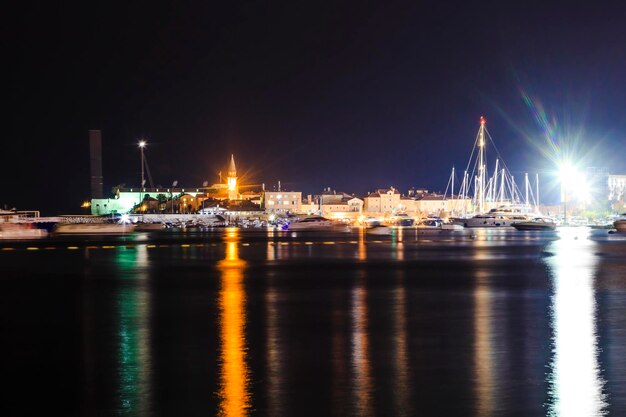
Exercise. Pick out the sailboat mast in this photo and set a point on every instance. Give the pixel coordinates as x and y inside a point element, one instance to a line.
<point>452,183</point>
<point>481,166</point>
<point>513,189</point>
<point>502,187</point>
<point>452,192</point>
<point>526,186</point>
<point>537,185</point>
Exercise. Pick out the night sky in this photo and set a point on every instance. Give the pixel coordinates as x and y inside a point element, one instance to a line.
<point>349,95</point>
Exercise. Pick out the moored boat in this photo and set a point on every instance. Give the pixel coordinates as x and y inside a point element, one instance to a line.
<point>93,229</point>
<point>149,227</point>
<point>400,219</point>
<point>11,231</point>
<point>378,230</point>
<point>620,224</point>
<point>430,223</point>
<point>503,216</point>
<point>539,223</point>
<point>311,223</point>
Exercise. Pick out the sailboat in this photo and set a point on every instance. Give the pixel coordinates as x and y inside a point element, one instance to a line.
<point>496,199</point>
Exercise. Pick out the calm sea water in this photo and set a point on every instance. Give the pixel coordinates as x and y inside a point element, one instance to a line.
<point>232,323</point>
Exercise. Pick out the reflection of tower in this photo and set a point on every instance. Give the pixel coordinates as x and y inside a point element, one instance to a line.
<point>233,190</point>
<point>234,391</point>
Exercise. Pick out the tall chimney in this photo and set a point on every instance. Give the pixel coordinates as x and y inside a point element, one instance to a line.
<point>95,162</point>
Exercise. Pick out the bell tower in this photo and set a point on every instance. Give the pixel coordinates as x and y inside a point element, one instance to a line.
<point>233,189</point>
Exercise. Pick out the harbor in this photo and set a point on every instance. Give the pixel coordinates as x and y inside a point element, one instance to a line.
<point>481,200</point>
<point>294,209</point>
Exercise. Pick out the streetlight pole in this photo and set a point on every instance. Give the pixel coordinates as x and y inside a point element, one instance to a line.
<point>142,144</point>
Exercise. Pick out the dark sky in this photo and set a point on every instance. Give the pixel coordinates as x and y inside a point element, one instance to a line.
<point>349,95</point>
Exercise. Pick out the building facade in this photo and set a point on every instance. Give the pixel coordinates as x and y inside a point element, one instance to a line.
<point>282,201</point>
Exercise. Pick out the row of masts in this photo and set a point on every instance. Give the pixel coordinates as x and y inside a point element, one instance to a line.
<point>489,192</point>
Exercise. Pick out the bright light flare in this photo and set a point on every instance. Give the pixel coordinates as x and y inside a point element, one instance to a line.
<point>142,143</point>
<point>574,183</point>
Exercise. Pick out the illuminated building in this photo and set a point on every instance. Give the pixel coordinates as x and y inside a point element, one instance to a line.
<point>233,187</point>
<point>281,201</point>
<point>382,201</point>
<point>169,200</point>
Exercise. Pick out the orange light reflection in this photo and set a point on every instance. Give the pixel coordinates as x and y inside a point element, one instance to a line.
<point>234,376</point>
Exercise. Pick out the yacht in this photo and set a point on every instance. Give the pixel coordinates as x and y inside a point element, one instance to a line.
<point>93,229</point>
<point>503,216</point>
<point>311,223</point>
<point>400,219</point>
<point>620,224</point>
<point>378,229</point>
<point>430,223</point>
<point>539,223</point>
<point>14,231</point>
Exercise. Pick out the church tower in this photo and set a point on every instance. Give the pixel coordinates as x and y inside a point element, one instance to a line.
<point>233,189</point>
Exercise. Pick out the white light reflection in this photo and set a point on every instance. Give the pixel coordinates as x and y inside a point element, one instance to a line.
<point>576,386</point>
<point>483,351</point>
<point>362,379</point>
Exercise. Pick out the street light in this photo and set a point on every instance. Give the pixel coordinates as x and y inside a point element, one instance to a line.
<point>142,144</point>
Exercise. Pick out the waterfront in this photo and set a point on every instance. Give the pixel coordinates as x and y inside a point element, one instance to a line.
<point>235,322</point>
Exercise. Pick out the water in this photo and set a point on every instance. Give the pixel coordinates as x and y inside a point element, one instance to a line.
<point>483,323</point>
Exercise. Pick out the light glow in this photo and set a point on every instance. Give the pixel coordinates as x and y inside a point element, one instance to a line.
<point>574,184</point>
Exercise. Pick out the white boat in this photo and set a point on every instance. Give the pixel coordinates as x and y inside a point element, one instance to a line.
<point>312,223</point>
<point>12,231</point>
<point>540,223</point>
<point>380,230</point>
<point>400,219</point>
<point>620,224</point>
<point>93,229</point>
<point>430,223</point>
<point>451,226</point>
<point>503,216</point>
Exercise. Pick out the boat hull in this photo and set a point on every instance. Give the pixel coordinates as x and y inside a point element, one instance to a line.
<point>149,227</point>
<point>378,230</point>
<point>20,232</point>
<point>93,229</point>
<point>528,226</point>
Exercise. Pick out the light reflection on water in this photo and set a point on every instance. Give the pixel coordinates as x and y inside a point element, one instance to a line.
<point>274,353</point>
<point>361,369</point>
<point>576,383</point>
<point>376,330</point>
<point>234,391</point>
<point>134,338</point>
<point>483,351</point>
<point>402,383</point>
